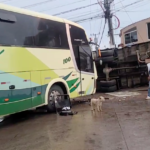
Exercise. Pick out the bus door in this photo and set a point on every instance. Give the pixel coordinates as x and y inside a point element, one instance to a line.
<point>86,70</point>
<point>83,60</point>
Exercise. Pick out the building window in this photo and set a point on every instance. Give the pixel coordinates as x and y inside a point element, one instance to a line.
<point>148,27</point>
<point>131,37</point>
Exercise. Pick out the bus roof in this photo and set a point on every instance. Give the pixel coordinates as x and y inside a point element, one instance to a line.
<point>36,14</point>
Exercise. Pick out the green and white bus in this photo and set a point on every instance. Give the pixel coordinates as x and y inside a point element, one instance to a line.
<point>41,56</point>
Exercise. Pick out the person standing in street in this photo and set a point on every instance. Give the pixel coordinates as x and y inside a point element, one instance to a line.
<point>148,95</point>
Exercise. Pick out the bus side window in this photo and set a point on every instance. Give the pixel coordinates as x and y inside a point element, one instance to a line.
<point>16,29</point>
<point>84,59</point>
<point>50,34</point>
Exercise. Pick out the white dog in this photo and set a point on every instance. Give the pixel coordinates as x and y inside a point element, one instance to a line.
<point>96,104</point>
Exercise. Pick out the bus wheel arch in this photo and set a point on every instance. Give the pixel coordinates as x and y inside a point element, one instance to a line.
<point>56,88</point>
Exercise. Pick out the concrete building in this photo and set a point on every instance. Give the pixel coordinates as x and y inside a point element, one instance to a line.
<point>136,33</point>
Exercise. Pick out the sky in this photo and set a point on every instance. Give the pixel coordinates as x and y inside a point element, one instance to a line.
<point>126,15</point>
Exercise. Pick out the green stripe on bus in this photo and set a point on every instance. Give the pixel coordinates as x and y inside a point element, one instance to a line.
<point>67,76</point>
<point>74,88</point>
<point>72,82</point>
<point>2,51</point>
<point>21,94</point>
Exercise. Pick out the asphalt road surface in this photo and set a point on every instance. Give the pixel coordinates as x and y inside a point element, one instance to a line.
<point>124,124</point>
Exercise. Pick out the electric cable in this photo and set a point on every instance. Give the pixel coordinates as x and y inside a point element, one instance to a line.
<point>131,20</point>
<point>128,5</point>
<point>6,1</point>
<point>100,27</point>
<point>84,14</point>
<point>62,5</point>
<point>36,4</point>
<point>118,22</point>
<point>102,33</point>
<point>100,3</point>
<point>91,18</point>
<point>68,11</point>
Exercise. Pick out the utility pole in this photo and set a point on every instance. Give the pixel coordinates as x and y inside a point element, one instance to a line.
<point>95,39</point>
<point>108,16</point>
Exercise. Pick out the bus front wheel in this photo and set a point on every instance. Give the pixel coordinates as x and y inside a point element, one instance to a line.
<point>53,93</point>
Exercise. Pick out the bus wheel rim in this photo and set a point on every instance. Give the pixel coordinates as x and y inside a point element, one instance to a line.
<point>53,94</point>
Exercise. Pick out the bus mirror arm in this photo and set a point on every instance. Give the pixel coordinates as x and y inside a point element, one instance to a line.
<point>94,43</point>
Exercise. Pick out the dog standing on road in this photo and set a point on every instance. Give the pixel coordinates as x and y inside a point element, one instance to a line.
<point>96,104</point>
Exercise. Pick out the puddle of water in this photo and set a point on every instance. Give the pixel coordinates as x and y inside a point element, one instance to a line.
<point>124,94</point>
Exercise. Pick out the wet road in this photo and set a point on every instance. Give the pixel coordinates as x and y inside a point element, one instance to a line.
<point>123,125</point>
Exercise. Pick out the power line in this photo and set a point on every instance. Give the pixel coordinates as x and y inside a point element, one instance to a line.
<point>100,27</point>
<point>33,5</point>
<point>95,17</point>
<point>118,2</point>
<point>75,9</point>
<point>6,1</point>
<point>130,19</point>
<point>129,5</point>
<point>83,15</point>
<point>96,23</point>
<point>136,8</point>
<point>91,18</point>
<point>100,3</point>
<point>102,33</point>
<point>62,5</point>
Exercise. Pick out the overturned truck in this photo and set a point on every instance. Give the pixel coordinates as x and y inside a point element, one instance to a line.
<point>123,68</point>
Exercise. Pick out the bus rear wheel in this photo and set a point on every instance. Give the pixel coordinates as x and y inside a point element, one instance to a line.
<point>53,93</point>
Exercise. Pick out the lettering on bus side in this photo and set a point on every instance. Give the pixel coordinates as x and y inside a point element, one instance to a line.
<point>66,60</point>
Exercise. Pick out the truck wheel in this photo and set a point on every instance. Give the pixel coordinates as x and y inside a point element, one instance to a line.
<point>107,83</point>
<point>109,89</point>
<point>107,53</point>
<point>54,91</point>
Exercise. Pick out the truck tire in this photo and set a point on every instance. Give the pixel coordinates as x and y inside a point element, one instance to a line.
<point>54,91</point>
<point>109,89</point>
<point>107,83</point>
<point>107,53</point>
<point>107,59</point>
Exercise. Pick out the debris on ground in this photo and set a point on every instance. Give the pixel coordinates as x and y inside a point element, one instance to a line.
<point>63,107</point>
<point>1,120</point>
<point>124,94</point>
<point>67,113</point>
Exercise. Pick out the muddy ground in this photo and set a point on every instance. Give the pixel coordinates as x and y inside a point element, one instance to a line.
<point>124,124</point>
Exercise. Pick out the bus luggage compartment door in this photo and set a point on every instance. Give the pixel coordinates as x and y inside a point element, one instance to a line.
<point>15,92</point>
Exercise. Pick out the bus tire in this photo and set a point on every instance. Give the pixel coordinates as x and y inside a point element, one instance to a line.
<point>107,53</point>
<point>107,83</point>
<point>109,89</point>
<point>55,90</point>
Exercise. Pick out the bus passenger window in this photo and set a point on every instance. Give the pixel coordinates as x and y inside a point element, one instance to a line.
<point>15,29</point>
<point>50,34</point>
